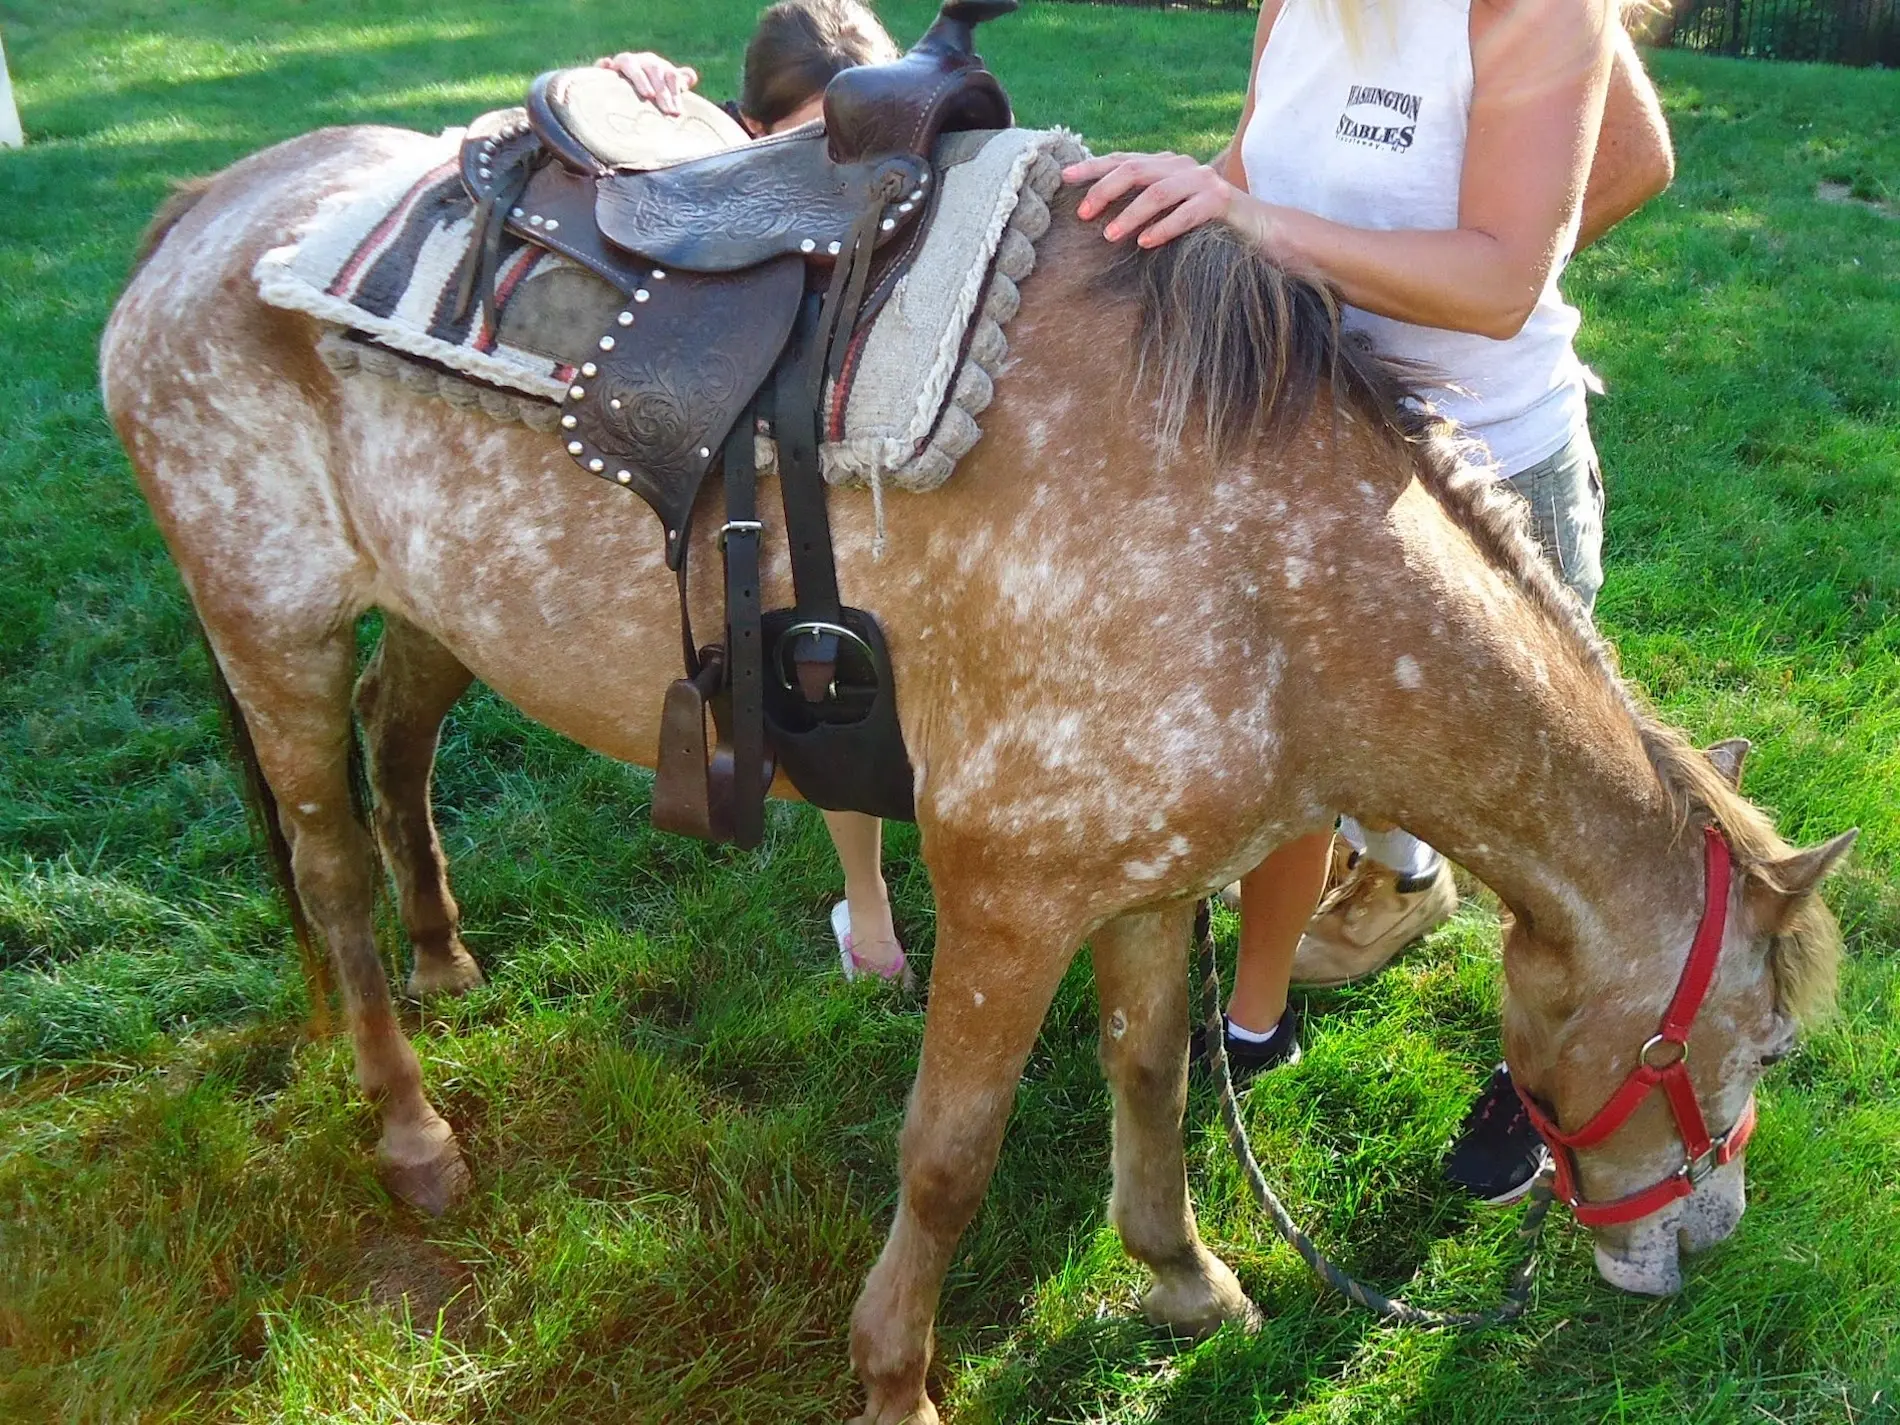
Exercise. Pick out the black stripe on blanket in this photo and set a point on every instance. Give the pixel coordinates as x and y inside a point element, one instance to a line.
<point>382,287</point>
<point>444,325</point>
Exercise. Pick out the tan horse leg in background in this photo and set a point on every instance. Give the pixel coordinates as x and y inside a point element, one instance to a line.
<point>408,688</point>
<point>997,963</point>
<point>1143,996</point>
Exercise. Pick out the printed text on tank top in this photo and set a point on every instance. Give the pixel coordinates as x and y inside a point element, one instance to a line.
<point>1368,118</point>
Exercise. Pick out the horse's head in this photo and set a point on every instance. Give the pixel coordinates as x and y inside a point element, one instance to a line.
<point>1639,1062</point>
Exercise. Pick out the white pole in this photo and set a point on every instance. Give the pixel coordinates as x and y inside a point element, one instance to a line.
<point>10,135</point>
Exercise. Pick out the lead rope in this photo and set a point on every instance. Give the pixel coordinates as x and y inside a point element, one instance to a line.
<point>1516,1296</point>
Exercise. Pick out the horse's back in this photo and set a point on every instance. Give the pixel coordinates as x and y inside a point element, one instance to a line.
<point>221,401</point>
<point>192,284</point>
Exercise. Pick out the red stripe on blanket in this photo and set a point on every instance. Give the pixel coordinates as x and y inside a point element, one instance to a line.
<point>841,388</point>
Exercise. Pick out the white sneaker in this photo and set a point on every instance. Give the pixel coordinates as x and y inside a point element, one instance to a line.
<point>899,973</point>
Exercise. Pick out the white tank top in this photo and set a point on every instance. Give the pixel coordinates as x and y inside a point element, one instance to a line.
<point>1376,139</point>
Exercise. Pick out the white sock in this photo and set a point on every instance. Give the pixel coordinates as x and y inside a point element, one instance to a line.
<point>1251,1036</point>
<point>1402,852</point>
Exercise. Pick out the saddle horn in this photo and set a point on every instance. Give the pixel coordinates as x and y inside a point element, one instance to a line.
<point>954,30</point>
<point>940,87</point>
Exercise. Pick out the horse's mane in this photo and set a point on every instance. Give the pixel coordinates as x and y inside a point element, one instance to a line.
<point>1239,350</point>
<point>181,200</point>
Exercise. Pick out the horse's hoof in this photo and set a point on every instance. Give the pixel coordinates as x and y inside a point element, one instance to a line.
<point>1196,1304</point>
<point>433,1185</point>
<point>453,974</point>
<point>922,1413</point>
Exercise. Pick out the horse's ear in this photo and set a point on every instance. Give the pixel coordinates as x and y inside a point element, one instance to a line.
<point>1728,755</point>
<point>1775,886</point>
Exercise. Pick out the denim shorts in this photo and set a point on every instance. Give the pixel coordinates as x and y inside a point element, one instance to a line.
<point>1565,493</point>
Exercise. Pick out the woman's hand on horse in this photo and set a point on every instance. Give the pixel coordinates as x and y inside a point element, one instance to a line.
<point>1174,194</point>
<point>654,78</point>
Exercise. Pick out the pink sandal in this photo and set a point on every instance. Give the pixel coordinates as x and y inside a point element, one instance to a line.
<point>898,974</point>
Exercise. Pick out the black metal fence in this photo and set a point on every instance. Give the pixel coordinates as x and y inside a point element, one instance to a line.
<point>1857,32</point>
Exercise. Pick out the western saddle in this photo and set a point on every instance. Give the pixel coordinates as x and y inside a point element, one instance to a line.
<point>743,270</point>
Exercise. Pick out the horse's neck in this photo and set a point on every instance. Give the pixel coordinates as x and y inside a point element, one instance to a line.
<point>1516,756</point>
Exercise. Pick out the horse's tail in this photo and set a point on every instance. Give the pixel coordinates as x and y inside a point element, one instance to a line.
<point>261,802</point>
<point>180,201</point>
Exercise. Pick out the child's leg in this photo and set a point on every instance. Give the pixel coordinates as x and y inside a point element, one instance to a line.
<point>859,840</point>
<point>1277,898</point>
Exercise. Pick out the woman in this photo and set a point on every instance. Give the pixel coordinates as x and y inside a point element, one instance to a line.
<point>1427,159</point>
<point>797,49</point>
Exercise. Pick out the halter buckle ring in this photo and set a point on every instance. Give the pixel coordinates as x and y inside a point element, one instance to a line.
<point>1649,1044</point>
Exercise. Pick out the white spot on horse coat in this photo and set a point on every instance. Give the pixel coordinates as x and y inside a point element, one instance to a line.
<point>1405,672</point>
<point>978,997</point>
<point>1117,1024</point>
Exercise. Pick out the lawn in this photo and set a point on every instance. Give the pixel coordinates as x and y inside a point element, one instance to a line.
<point>682,1124</point>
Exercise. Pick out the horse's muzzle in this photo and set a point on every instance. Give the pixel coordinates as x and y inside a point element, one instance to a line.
<point>1645,1256</point>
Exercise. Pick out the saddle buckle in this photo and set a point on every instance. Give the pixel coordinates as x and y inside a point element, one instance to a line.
<point>754,528</point>
<point>814,648</point>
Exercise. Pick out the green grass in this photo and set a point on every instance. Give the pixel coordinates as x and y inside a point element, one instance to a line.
<point>682,1124</point>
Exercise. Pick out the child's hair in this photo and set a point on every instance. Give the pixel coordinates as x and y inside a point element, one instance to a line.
<point>800,47</point>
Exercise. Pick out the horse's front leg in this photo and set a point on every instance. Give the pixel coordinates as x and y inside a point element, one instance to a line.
<point>1141,980</point>
<point>998,961</point>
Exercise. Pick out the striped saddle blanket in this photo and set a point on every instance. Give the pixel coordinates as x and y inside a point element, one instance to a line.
<point>382,264</point>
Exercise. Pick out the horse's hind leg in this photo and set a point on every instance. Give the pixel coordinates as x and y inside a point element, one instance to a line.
<point>1141,980</point>
<point>408,688</point>
<point>295,699</point>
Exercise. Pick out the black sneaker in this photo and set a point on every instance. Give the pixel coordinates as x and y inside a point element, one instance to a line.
<point>1246,1057</point>
<point>1497,1155</point>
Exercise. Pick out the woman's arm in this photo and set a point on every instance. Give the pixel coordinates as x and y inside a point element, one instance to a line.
<point>1540,70</point>
<point>1634,159</point>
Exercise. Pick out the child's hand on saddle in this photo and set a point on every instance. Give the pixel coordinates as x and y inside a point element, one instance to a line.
<point>654,78</point>
<point>1173,194</point>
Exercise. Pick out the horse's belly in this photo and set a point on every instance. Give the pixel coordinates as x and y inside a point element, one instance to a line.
<point>547,585</point>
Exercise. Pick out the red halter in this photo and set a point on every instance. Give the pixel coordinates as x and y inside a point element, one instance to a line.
<point>1665,1064</point>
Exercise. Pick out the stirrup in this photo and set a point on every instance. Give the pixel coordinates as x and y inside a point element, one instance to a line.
<point>690,795</point>
<point>695,787</point>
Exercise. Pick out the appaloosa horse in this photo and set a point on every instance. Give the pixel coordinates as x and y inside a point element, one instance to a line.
<point>1122,658</point>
